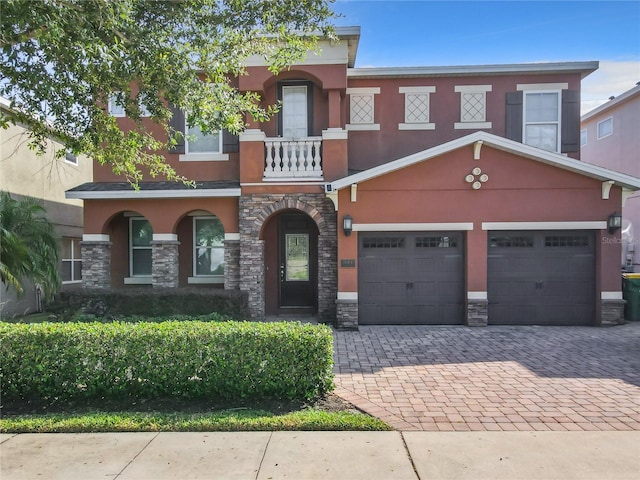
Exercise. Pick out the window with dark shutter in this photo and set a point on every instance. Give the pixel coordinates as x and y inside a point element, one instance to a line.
<point>177,123</point>
<point>230,142</point>
<point>570,130</point>
<point>513,119</point>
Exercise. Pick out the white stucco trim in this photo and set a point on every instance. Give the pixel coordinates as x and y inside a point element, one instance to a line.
<point>476,295</point>
<point>140,194</point>
<point>363,90</point>
<point>347,295</point>
<point>471,125</point>
<point>542,86</point>
<point>165,237</point>
<point>146,280</point>
<point>203,157</point>
<point>205,280</point>
<point>335,134</point>
<point>95,237</point>
<point>595,225</point>
<point>611,295</point>
<point>418,89</point>
<point>232,236</point>
<point>362,126</point>
<point>472,88</point>
<point>416,126</point>
<point>411,227</point>
<point>252,135</point>
<point>281,183</point>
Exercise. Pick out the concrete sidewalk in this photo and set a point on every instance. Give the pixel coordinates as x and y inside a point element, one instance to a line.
<point>322,455</point>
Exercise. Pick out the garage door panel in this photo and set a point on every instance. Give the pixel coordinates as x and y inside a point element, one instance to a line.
<point>420,283</point>
<point>541,278</point>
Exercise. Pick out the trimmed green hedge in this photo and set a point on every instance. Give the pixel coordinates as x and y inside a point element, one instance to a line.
<point>148,302</point>
<point>230,360</point>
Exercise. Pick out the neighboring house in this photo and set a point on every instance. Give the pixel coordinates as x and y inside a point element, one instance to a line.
<point>610,137</point>
<point>436,195</point>
<point>24,173</point>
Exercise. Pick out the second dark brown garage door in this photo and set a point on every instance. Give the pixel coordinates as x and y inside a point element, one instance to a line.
<point>411,278</point>
<point>541,278</point>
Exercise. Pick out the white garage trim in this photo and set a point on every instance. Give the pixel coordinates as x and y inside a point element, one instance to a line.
<point>611,295</point>
<point>596,225</point>
<point>477,295</point>
<point>347,295</point>
<point>411,227</point>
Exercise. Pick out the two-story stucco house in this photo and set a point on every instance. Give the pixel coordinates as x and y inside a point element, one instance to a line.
<point>609,138</point>
<point>435,195</point>
<point>23,173</point>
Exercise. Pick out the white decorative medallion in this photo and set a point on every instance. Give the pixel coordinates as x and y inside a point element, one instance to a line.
<point>476,178</point>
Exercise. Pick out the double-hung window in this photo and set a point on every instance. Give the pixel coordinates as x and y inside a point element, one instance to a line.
<point>198,142</point>
<point>541,126</point>
<point>140,236</point>
<point>71,260</point>
<point>208,249</point>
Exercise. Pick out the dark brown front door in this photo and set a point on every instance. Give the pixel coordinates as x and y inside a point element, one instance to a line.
<point>297,262</point>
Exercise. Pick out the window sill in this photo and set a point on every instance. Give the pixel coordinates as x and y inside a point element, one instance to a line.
<point>362,126</point>
<point>205,280</point>
<point>416,126</point>
<point>71,282</point>
<point>471,125</point>
<point>204,157</point>
<point>146,280</point>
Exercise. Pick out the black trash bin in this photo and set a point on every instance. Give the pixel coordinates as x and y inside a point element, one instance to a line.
<point>631,293</point>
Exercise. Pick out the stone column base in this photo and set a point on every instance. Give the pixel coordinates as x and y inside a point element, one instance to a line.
<point>477,313</point>
<point>347,315</point>
<point>96,264</point>
<point>612,313</point>
<point>164,266</point>
<point>232,264</point>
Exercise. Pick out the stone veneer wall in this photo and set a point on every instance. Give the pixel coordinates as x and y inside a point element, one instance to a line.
<point>612,312</point>
<point>96,264</point>
<point>164,263</point>
<point>255,210</point>
<point>231,264</point>
<point>477,313</point>
<point>347,315</point>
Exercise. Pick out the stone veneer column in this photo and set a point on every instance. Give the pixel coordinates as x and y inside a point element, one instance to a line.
<point>255,210</point>
<point>477,312</point>
<point>96,261</point>
<point>347,314</point>
<point>164,260</point>
<point>232,263</point>
<point>612,312</point>
<point>252,274</point>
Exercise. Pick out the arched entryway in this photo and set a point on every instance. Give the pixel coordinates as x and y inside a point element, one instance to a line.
<point>291,263</point>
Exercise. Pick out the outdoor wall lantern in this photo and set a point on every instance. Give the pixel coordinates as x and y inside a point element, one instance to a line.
<point>347,225</point>
<point>614,222</point>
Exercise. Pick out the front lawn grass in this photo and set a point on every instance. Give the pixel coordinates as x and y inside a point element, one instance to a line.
<point>231,420</point>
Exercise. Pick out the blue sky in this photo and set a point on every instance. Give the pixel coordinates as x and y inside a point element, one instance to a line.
<point>428,32</point>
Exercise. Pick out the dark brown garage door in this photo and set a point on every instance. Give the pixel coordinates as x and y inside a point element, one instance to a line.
<point>411,278</point>
<point>541,278</point>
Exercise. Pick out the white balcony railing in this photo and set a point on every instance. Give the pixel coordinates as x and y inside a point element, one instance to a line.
<point>289,158</point>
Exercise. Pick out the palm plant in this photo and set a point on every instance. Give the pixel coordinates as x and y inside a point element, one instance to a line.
<point>28,245</point>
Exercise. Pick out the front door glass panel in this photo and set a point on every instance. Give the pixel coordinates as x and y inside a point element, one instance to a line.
<point>297,257</point>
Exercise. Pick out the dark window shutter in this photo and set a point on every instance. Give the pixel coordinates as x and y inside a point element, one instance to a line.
<point>230,142</point>
<point>570,131</point>
<point>177,123</point>
<point>513,120</point>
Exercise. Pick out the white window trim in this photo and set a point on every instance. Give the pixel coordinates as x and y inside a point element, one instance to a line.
<point>412,227</point>
<point>483,89</point>
<point>132,279</point>
<point>73,260</point>
<point>598,128</point>
<point>202,279</point>
<point>586,137</point>
<point>558,122</point>
<point>588,225</point>
<point>373,91</point>
<point>111,103</point>
<point>424,90</point>
<point>66,158</point>
<point>203,157</point>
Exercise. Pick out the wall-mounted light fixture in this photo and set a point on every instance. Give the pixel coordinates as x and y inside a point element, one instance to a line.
<point>347,225</point>
<point>614,222</point>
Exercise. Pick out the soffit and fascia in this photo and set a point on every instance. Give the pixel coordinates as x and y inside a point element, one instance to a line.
<point>612,103</point>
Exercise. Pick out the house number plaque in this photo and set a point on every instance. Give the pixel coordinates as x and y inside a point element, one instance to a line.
<point>348,263</point>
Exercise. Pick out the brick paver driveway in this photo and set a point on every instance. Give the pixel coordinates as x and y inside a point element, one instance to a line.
<point>493,378</point>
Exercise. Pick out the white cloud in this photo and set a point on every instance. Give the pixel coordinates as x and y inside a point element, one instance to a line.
<point>611,79</point>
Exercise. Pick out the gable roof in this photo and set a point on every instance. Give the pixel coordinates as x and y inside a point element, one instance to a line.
<point>612,103</point>
<point>500,143</point>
